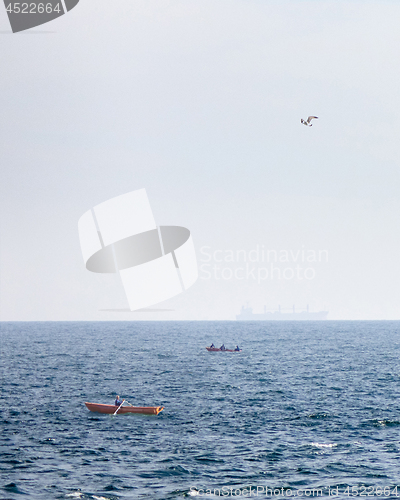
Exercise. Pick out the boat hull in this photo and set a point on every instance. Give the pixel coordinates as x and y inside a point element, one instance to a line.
<point>110,409</point>
<point>215,349</point>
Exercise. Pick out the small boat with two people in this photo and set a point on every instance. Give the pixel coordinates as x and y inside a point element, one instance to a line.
<point>212,348</point>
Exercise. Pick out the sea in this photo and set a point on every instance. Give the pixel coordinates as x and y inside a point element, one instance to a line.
<point>306,409</point>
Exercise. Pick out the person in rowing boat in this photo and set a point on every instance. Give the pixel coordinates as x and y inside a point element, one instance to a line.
<point>237,348</point>
<point>222,348</point>
<point>118,402</point>
<point>211,346</point>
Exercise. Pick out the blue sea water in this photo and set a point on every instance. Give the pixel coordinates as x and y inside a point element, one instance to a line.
<point>305,407</point>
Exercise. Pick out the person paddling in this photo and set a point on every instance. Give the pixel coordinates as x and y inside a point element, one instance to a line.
<point>211,346</point>
<point>222,348</point>
<point>237,348</point>
<point>118,402</point>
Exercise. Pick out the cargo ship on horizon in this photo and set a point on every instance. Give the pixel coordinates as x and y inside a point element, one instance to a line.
<point>246,314</point>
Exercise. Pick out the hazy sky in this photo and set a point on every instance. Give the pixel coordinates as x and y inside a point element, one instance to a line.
<point>200,103</point>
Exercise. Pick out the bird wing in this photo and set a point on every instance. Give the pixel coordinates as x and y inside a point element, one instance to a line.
<point>310,118</point>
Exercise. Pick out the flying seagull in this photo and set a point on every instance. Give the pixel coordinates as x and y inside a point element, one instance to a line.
<point>308,121</point>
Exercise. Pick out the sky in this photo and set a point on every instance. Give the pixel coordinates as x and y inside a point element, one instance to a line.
<point>199,102</point>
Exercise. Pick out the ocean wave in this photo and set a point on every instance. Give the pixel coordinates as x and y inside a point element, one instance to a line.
<point>323,445</point>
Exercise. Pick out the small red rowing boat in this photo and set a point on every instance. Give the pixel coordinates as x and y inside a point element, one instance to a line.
<point>110,409</point>
<point>215,349</point>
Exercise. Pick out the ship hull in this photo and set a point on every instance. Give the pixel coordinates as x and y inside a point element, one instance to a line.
<point>277,316</point>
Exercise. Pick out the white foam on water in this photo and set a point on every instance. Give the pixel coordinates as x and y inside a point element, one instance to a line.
<point>321,445</point>
<point>75,494</point>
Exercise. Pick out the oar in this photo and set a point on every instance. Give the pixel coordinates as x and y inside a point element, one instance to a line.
<point>118,408</point>
<point>129,403</point>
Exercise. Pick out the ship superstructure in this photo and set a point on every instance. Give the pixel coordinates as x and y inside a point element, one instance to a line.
<point>246,314</point>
